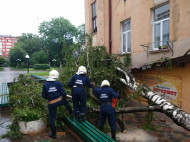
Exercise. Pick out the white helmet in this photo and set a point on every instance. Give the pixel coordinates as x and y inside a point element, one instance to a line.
<point>105,83</point>
<point>53,75</point>
<point>81,70</point>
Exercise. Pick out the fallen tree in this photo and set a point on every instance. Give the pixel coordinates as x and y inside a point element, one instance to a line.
<point>179,116</point>
<point>132,109</point>
<point>101,66</point>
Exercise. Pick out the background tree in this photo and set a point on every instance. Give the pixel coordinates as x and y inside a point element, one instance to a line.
<point>39,57</point>
<point>80,38</point>
<point>2,60</point>
<point>15,54</point>
<point>30,43</point>
<point>58,36</point>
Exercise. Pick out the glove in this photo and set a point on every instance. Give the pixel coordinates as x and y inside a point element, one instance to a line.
<point>114,102</point>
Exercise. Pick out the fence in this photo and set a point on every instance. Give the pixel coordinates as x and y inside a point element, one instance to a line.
<point>4,94</point>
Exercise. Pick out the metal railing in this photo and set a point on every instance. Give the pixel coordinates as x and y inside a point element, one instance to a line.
<point>4,94</point>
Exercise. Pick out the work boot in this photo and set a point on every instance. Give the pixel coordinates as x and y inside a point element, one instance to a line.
<point>53,132</point>
<point>101,128</point>
<point>71,115</point>
<point>113,135</point>
<point>82,117</point>
<point>77,116</point>
<point>69,109</point>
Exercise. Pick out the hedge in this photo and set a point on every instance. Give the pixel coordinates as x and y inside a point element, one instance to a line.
<point>41,66</point>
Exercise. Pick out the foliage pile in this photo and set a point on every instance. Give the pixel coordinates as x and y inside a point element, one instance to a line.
<point>26,103</point>
<point>100,66</point>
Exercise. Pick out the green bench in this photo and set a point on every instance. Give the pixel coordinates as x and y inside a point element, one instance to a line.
<point>4,95</point>
<point>88,131</point>
<point>39,78</point>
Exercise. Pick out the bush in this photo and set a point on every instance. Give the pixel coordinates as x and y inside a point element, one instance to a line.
<point>26,104</point>
<point>41,66</point>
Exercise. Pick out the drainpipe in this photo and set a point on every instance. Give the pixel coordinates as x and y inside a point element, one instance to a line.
<point>110,26</point>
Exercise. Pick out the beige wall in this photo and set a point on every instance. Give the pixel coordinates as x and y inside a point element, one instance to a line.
<point>140,13</point>
<point>101,36</point>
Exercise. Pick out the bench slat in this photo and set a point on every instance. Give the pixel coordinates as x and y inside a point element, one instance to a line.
<point>88,131</point>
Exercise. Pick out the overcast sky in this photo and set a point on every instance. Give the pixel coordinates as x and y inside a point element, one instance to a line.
<point>24,16</point>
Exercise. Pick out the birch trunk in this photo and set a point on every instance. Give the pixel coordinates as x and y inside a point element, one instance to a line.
<point>175,113</point>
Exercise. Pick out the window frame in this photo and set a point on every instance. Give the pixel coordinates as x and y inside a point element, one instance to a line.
<point>94,18</point>
<point>125,33</point>
<point>161,28</point>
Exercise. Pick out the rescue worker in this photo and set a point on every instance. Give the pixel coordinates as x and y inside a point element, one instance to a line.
<point>105,95</point>
<point>54,92</point>
<point>78,83</point>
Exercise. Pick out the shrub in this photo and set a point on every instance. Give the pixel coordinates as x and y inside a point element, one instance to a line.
<point>41,66</point>
<point>26,103</point>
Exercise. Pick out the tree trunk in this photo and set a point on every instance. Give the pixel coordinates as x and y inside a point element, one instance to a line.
<point>132,109</point>
<point>176,114</point>
<point>60,59</point>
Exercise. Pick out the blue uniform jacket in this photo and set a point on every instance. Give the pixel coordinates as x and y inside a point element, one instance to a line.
<point>80,80</point>
<point>105,94</point>
<point>53,90</point>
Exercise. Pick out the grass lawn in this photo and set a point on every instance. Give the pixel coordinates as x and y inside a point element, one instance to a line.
<point>39,73</point>
<point>1,68</point>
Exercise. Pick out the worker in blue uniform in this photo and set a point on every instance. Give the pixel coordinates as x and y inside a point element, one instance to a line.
<point>78,83</point>
<point>54,92</point>
<point>105,95</point>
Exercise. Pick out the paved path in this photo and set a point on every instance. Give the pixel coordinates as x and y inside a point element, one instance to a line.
<point>8,75</point>
<point>4,122</point>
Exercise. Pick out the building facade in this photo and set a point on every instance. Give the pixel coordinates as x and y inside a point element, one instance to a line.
<point>147,30</point>
<point>6,43</point>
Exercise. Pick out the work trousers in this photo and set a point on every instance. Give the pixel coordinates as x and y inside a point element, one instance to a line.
<point>79,100</point>
<point>53,110</point>
<point>107,111</point>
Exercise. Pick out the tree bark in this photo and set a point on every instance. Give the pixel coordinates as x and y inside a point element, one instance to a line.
<point>132,109</point>
<point>176,114</point>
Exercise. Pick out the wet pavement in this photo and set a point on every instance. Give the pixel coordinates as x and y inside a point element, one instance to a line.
<point>165,130</point>
<point>4,122</point>
<point>7,75</point>
<point>62,135</point>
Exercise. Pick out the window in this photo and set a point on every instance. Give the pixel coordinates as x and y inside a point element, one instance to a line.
<point>94,17</point>
<point>126,37</point>
<point>8,43</point>
<point>161,26</point>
